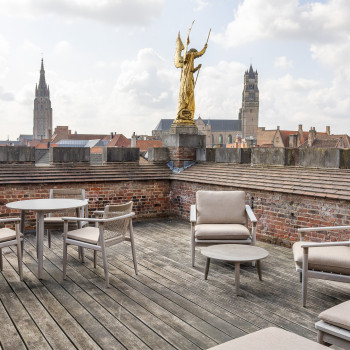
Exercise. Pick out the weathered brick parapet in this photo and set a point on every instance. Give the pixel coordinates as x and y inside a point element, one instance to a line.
<point>150,198</point>
<point>279,214</point>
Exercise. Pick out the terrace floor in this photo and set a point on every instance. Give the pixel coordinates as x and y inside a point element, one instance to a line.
<point>168,305</point>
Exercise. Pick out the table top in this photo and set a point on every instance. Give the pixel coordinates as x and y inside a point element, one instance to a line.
<point>47,204</point>
<point>235,252</point>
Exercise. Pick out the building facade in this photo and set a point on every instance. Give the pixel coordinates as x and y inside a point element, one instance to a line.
<point>42,126</point>
<point>249,113</point>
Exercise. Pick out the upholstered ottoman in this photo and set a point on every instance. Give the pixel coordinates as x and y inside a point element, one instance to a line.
<point>270,339</point>
<point>334,327</point>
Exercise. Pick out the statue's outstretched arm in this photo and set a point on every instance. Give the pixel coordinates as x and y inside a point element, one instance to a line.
<point>200,53</point>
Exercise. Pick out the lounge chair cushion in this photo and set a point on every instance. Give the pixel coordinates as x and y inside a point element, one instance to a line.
<point>86,234</point>
<point>221,207</point>
<point>6,234</point>
<point>221,231</point>
<point>271,338</point>
<point>338,315</point>
<point>326,259</point>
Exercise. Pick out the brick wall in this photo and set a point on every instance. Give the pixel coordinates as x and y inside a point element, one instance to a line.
<point>279,215</point>
<point>151,198</point>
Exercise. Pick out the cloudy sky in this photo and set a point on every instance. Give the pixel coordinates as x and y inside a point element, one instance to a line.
<point>109,63</point>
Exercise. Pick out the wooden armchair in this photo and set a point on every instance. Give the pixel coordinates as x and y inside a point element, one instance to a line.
<point>53,221</point>
<point>109,230</point>
<point>326,260</point>
<point>221,217</point>
<point>9,237</point>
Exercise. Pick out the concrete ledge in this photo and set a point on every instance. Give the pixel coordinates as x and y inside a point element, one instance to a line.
<point>158,154</point>
<point>123,154</point>
<point>17,154</point>
<point>269,156</point>
<point>320,157</point>
<point>69,154</point>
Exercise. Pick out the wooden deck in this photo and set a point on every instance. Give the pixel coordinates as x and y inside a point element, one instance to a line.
<point>168,305</point>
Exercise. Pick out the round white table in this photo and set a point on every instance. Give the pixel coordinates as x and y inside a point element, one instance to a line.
<point>41,207</point>
<point>237,253</point>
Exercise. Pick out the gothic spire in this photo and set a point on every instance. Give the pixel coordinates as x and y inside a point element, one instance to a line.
<point>251,73</point>
<point>42,90</point>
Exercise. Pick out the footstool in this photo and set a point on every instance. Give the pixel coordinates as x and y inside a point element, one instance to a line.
<point>271,338</point>
<point>334,326</point>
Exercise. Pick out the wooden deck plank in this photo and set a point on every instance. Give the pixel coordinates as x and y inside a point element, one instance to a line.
<point>168,305</point>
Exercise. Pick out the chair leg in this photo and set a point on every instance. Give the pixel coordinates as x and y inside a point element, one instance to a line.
<point>193,250</point>
<point>49,237</point>
<point>1,266</point>
<point>105,265</point>
<point>304,276</point>
<point>20,261</point>
<point>132,241</point>
<point>300,276</point>
<point>95,258</point>
<point>81,254</point>
<point>64,260</point>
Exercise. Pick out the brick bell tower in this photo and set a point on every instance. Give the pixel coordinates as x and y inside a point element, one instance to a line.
<point>42,128</point>
<point>249,113</point>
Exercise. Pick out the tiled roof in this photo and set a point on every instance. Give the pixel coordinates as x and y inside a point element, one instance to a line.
<point>329,141</point>
<point>325,183</point>
<point>88,137</point>
<point>26,174</point>
<point>119,140</point>
<point>144,145</point>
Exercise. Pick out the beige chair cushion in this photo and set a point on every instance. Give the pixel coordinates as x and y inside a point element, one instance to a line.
<point>221,231</point>
<point>221,207</point>
<point>6,234</point>
<point>327,259</point>
<point>270,339</point>
<point>86,234</point>
<point>338,315</point>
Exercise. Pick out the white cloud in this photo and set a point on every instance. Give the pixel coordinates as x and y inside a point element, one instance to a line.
<point>280,19</point>
<point>283,62</point>
<point>115,12</point>
<point>62,47</point>
<point>200,4</point>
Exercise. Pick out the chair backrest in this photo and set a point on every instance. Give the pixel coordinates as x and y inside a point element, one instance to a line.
<point>116,228</point>
<point>221,207</point>
<point>71,193</point>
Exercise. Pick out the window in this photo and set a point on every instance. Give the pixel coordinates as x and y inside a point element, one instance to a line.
<point>212,140</point>
<point>220,139</point>
<point>229,139</point>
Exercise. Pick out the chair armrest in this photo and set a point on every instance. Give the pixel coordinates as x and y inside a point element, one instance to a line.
<point>324,244</point>
<point>303,230</point>
<point>99,220</point>
<point>193,214</point>
<point>10,220</point>
<point>325,228</point>
<point>98,212</point>
<point>250,213</point>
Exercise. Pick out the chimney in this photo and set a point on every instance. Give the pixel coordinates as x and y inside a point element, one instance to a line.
<point>133,140</point>
<point>328,130</point>
<point>300,128</point>
<point>312,136</point>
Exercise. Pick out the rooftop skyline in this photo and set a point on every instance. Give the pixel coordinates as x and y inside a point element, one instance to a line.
<point>110,65</point>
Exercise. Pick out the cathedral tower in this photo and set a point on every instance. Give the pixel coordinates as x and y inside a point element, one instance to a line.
<point>249,113</point>
<point>42,128</point>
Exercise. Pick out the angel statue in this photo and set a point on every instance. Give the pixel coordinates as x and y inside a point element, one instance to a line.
<point>186,105</point>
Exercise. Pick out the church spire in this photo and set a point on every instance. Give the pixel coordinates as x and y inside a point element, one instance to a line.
<point>42,89</point>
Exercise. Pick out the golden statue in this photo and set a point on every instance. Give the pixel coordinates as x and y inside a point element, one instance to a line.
<point>186,105</point>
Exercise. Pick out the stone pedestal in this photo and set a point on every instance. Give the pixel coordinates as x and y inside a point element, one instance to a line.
<point>183,141</point>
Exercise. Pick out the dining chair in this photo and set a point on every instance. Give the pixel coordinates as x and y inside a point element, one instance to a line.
<point>109,230</point>
<point>53,221</point>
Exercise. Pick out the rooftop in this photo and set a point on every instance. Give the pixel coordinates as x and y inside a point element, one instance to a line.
<point>168,305</point>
